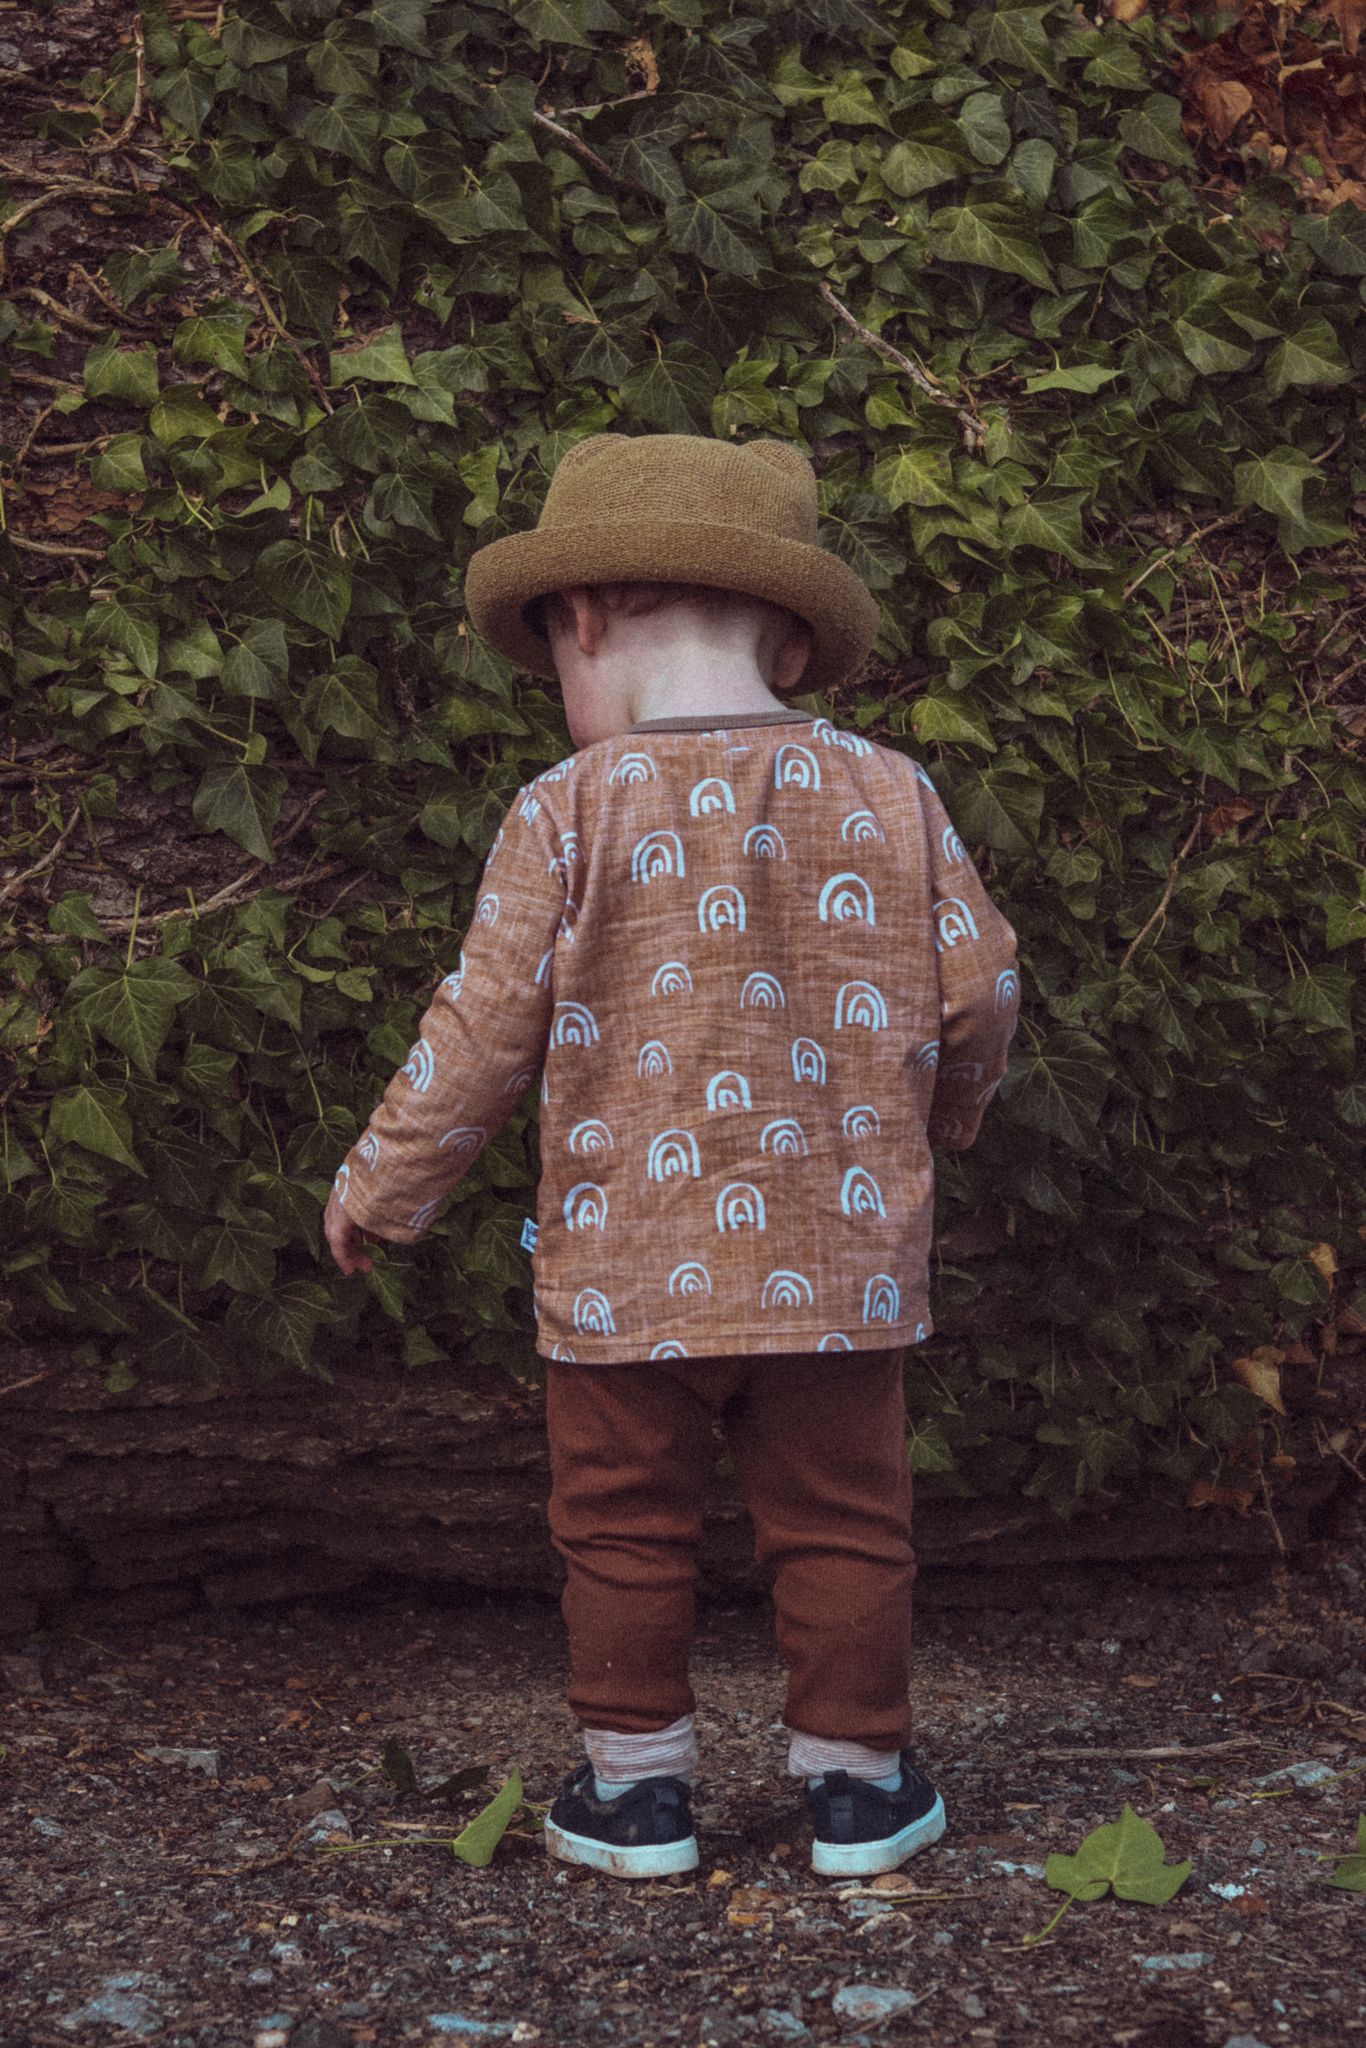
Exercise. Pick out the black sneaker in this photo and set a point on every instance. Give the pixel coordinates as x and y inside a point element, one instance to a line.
<point>861,1830</point>
<point>646,1832</point>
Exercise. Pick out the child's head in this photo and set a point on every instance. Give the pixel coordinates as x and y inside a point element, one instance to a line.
<point>625,589</point>
<point>628,651</point>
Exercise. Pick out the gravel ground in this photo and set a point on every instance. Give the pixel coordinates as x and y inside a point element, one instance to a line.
<point>180,1793</point>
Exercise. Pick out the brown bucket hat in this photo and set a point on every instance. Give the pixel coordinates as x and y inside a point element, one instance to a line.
<point>676,508</point>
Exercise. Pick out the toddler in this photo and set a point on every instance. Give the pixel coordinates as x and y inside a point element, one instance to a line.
<point>761,981</point>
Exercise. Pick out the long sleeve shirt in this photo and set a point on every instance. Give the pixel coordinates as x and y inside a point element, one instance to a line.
<point>760,981</point>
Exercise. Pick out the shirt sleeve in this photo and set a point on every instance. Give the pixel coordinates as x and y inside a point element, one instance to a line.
<point>979,985</point>
<point>480,1042</point>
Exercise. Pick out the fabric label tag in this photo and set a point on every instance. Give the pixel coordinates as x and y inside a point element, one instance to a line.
<point>529,1234</point>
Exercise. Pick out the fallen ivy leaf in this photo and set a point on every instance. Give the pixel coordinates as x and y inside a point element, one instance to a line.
<point>1350,1875</point>
<point>1125,1855</point>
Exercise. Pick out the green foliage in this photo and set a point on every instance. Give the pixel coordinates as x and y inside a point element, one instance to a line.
<point>1350,1873</point>
<point>1124,1856</point>
<point>1137,747</point>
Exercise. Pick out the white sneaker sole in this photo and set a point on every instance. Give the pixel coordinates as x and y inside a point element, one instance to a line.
<point>870,1859</point>
<point>658,1859</point>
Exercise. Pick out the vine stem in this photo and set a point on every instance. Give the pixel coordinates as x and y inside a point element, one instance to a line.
<point>923,381</point>
<point>48,860</point>
<point>134,114</point>
<point>1160,911</point>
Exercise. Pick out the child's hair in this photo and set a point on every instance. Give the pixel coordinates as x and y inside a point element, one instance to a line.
<point>637,599</point>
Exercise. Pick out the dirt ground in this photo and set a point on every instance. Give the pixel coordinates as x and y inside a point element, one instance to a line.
<point>180,1795</point>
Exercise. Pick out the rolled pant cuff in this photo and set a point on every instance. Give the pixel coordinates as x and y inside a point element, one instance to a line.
<point>810,1756</point>
<point>622,1759</point>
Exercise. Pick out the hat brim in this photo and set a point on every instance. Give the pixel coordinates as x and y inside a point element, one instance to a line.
<point>508,574</point>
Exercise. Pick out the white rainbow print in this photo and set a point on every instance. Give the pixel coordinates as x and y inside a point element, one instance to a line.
<point>419,1066</point>
<point>881,1300</point>
<point>762,992</point>
<point>865,1003</point>
<point>691,1277</point>
<point>672,979</point>
<point>861,1121</point>
<point>862,825</point>
<point>592,1135</point>
<point>657,853</point>
<point>721,905</point>
<point>738,1203</point>
<point>953,922</point>
<point>831,736</point>
<point>713,793</point>
<point>785,1289</point>
<point>593,1311</point>
<point>585,1207</point>
<point>849,896</point>
<point>573,1024</point>
<point>860,1194</point>
<point>728,1090</point>
<point>797,765</point>
<point>634,767</point>
<point>808,1061</point>
<point>765,842</point>
<point>789,1139</point>
<point>464,1138</point>
<point>673,1151</point>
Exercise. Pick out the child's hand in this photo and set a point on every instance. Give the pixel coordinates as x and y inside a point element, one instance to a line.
<point>345,1238</point>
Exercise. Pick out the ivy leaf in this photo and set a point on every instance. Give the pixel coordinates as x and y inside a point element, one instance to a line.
<point>1153,129</point>
<point>1081,377</point>
<point>674,391</point>
<point>243,801</point>
<point>133,1006</point>
<point>180,414</point>
<point>1275,481</point>
<point>95,1117</point>
<point>1338,239</point>
<point>382,360</point>
<point>1350,1874</point>
<point>1060,1088</point>
<point>118,466</point>
<point>128,376</point>
<point>238,1249</point>
<point>309,581</point>
<point>1311,355</point>
<point>218,335</point>
<point>1126,1854</point>
<point>476,1843</point>
<point>127,622</point>
<point>940,718</point>
<point>993,235</point>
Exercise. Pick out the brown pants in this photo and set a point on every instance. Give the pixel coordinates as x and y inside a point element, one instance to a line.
<point>819,1445</point>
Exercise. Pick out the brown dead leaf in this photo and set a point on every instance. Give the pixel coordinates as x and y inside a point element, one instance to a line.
<point>1224,101</point>
<point>1260,1371</point>
<point>1141,1679</point>
<point>640,57</point>
<point>1350,16</point>
<point>1224,816</point>
<point>1126,10</point>
<point>1325,1259</point>
<point>1204,1494</point>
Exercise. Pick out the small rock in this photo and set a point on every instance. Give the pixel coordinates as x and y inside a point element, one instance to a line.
<point>205,1760</point>
<point>329,1824</point>
<point>260,1977</point>
<point>972,2005</point>
<point>1229,1891</point>
<point>47,1827</point>
<point>871,2002</point>
<point>1257,1847</point>
<point>23,1676</point>
<point>270,2037</point>
<point>1019,1869</point>
<point>785,2024</point>
<point>1244,2041</point>
<point>476,2030</point>
<point>118,2004</point>
<point>1306,1774</point>
<point>317,1799</point>
<point>1194,1959</point>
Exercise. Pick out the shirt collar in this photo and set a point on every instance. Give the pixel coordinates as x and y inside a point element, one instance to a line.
<point>723,721</point>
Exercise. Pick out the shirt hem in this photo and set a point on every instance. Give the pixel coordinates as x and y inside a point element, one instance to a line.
<point>754,1343</point>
